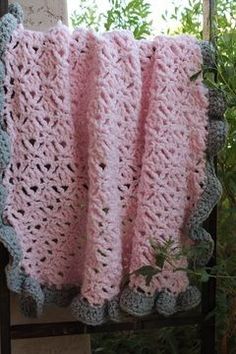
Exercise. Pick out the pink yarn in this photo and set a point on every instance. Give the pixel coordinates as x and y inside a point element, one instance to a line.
<point>108,139</point>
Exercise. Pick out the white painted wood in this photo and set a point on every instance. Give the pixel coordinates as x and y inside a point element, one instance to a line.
<point>43,14</point>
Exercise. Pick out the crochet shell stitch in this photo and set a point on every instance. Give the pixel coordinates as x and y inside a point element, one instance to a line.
<point>106,144</point>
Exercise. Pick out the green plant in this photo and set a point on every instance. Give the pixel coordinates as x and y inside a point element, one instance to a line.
<point>168,253</point>
<point>87,14</point>
<point>128,15</point>
<point>152,342</point>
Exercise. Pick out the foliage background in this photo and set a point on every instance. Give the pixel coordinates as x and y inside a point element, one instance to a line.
<point>134,15</point>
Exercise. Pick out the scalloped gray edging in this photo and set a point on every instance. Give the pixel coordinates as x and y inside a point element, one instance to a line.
<point>34,296</point>
<point>8,24</point>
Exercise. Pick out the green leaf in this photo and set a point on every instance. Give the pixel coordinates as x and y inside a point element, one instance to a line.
<point>204,277</point>
<point>195,76</point>
<point>146,270</point>
<point>160,259</point>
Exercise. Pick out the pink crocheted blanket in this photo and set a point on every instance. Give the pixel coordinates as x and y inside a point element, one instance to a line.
<point>108,141</point>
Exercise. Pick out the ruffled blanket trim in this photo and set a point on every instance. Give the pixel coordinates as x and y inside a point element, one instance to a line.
<point>129,302</point>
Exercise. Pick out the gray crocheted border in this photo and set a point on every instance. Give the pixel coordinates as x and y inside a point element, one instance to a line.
<point>129,302</point>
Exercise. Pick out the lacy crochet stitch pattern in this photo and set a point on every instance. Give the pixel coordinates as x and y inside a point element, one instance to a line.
<point>112,148</point>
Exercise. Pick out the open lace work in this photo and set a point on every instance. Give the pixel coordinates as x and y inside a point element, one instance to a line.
<point>109,141</point>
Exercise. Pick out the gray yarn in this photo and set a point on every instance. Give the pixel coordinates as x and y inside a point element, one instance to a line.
<point>113,308</point>
<point>16,10</point>
<point>217,134</point>
<point>2,72</point>
<point>209,197</point>
<point>2,75</point>
<point>217,104</point>
<point>15,278</point>
<point>88,314</point>
<point>5,152</point>
<point>1,99</point>
<point>33,295</point>
<point>188,299</point>
<point>208,54</point>
<point>166,303</point>
<point>136,303</point>
<point>205,205</point>
<point>7,26</point>
<point>59,297</point>
<point>115,312</point>
<point>3,196</point>
<point>32,298</point>
<point>10,242</point>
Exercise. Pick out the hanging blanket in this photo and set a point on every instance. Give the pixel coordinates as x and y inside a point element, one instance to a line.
<point>107,147</point>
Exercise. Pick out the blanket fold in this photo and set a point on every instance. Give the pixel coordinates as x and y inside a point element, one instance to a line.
<point>107,155</point>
